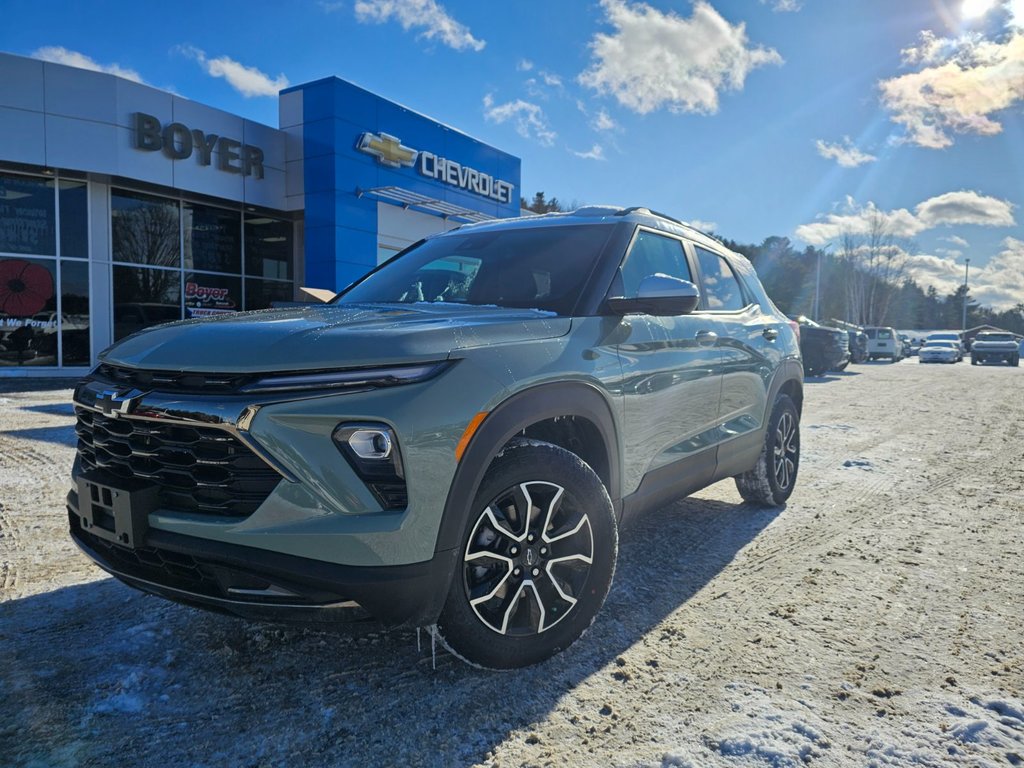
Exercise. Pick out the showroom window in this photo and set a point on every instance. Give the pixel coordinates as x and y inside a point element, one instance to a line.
<point>44,272</point>
<point>181,259</point>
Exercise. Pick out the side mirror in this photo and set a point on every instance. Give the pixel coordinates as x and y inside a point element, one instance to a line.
<point>659,295</point>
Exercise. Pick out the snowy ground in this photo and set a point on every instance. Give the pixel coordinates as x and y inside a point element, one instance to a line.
<point>875,621</point>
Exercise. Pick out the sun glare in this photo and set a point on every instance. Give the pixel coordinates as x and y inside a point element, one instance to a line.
<point>973,9</point>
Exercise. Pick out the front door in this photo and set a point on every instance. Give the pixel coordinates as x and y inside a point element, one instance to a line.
<point>671,381</point>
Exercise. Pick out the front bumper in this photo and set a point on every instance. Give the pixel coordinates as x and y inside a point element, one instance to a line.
<point>261,585</point>
<point>319,507</point>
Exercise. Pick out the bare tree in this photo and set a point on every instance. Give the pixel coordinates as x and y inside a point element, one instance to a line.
<point>874,267</point>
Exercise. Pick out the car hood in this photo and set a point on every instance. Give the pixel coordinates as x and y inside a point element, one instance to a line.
<point>329,336</point>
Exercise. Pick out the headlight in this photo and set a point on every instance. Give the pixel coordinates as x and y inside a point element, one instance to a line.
<point>350,378</point>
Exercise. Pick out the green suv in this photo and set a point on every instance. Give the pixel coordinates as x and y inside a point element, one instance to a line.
<point>452,442</point>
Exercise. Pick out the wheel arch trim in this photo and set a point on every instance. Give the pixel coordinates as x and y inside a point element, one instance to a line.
<point>521,410</point>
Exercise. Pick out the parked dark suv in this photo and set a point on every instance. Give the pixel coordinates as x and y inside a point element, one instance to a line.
<point>452,442</point>
<point>823,348</point>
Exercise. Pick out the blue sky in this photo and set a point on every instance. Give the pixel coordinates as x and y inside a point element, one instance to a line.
<point>802,118</point>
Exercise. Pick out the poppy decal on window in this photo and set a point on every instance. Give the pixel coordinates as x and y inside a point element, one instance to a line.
<point>24,288</point>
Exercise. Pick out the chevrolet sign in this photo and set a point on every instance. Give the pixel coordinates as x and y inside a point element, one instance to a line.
<point>390,151</point>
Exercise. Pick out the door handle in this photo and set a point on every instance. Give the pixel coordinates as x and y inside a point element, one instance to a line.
<point>770,333</point>
<point>706,338</point>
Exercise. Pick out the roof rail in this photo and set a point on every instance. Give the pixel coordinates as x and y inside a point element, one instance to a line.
<point>645,209</point>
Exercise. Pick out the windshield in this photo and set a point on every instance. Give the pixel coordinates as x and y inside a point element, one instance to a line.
<point>536,267</point>
<point>995,337</point>
<point>944,336</point>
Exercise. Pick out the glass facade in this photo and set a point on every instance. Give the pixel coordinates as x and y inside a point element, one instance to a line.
<point>179,259</point>
<point>44,274</point>
<point>168,259</point>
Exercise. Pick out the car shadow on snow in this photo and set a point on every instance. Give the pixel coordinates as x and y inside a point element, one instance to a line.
<point>62,435</point>
<point>95,671</point>
<point>52,409</point>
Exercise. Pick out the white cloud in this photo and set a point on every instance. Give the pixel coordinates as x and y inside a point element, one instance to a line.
<point>603,122</point>
<point>538,86</point>
<point>998,283</point>
<point>549,79</point>
<point>858,220</point>
<point>596,152</point>
<point>703,226</point>
<point>248,81</point>
<point>963,207</point>
<point>846,154</point>
<point>529,119</point>
<point>524,65</point>
<point>426,15</point>
<point>955,240</point>
<point>655,59</point>
<point>968,81</point>
<point>59,55</point>
<point>953,253</point>
<point>784,6</point>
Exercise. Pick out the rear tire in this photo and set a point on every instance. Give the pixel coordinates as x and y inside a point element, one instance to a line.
<point>772,479</point>
<point>974,360</point>
<point>536,559</point>
<point>1015,362</point>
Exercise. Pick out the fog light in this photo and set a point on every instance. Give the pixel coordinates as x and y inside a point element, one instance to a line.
<point>370,443</point>
<point>373,452</point>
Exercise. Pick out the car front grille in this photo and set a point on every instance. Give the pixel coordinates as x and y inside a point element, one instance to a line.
<point>197,469</point>
<point>171,381</point>
<point>171,569</point>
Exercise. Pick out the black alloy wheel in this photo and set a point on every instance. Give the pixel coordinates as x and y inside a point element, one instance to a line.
<point>773,478</point>
<point>536,561</point>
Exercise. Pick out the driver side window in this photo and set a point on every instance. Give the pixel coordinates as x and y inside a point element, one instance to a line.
<point>652,254</point>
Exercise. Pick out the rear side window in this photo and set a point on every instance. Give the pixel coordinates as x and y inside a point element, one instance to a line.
<point>884,333</point>
<point>653,254</point>
<point>722,290</point>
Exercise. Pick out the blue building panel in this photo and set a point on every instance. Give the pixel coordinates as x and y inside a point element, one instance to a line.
<point>354,142</point>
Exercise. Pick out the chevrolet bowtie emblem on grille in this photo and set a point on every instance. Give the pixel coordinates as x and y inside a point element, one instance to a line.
<point>388,150</point>
<point>114,403</point>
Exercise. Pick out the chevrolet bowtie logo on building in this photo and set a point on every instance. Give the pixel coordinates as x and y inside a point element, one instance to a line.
<point>387,149</point>
<point>390,151</point>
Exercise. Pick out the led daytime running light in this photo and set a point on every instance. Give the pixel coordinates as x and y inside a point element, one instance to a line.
<point>381,377</point>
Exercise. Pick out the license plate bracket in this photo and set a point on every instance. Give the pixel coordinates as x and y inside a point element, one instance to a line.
<point>118,513</point>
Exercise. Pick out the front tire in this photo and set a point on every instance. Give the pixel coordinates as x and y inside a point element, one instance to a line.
<point>536,560</point>
<point>772,479</point>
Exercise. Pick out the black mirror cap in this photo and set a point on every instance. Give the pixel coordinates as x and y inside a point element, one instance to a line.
<point>659,295</point>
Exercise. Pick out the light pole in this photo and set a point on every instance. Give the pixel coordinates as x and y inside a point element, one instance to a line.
<point>967,267</point>
<point>817,284</point>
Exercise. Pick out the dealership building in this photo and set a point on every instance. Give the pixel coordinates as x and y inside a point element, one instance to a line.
<point>123,206</point>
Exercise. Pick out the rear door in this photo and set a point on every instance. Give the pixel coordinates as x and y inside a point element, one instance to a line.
<point>750,356</point>
<point>672,380</point>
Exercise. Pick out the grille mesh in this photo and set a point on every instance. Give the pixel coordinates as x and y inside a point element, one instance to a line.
<point>197,469</point>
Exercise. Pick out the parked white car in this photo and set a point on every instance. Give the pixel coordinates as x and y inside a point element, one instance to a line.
<point>953,336</point>
<point>939,351</point>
